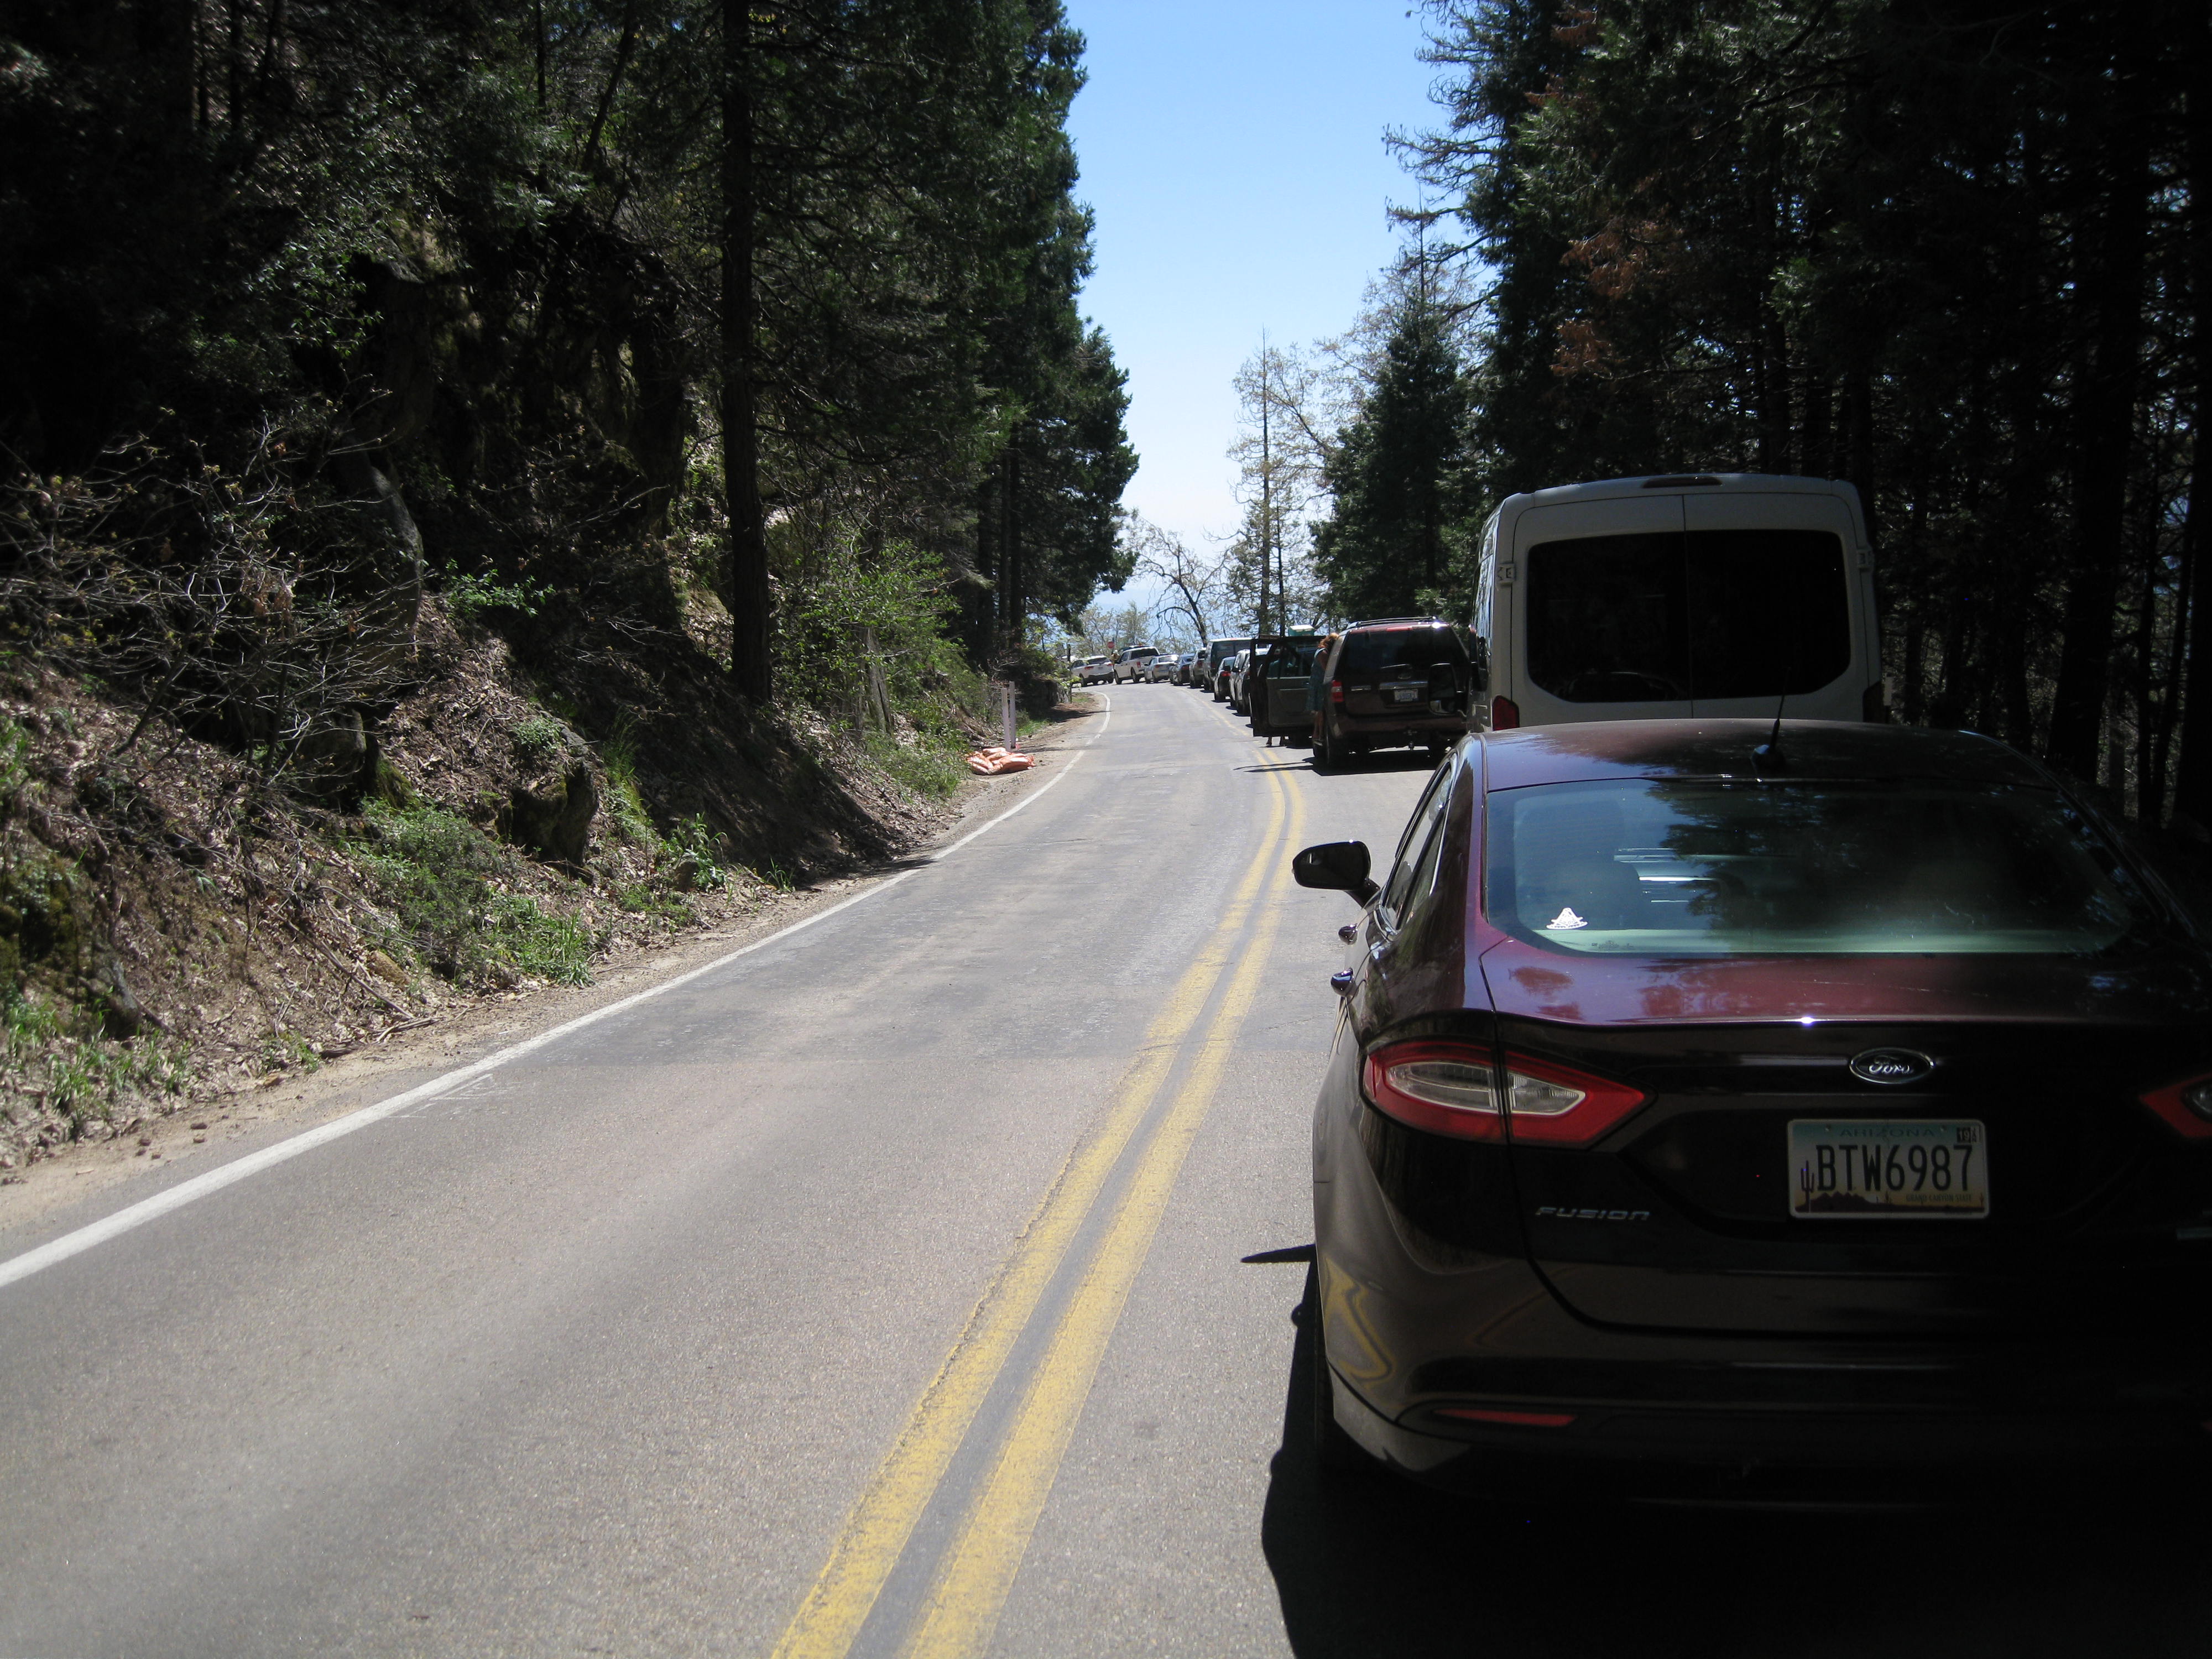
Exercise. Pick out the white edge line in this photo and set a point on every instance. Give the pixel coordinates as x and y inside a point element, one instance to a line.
<point>186,1192</point>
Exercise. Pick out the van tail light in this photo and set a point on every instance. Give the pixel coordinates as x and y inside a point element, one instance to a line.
<point>1336,691</point>
<point>1505,713</point>
<point>2186,1106</point>
<point>1451,1088</point>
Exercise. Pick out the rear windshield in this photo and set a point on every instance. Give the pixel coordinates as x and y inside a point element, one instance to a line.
<point>1374,652</point>
<point>1654,868</point>
<point>1670,616</point>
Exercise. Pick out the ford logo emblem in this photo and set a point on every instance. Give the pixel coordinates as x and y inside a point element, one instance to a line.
<point>1891,1065</point>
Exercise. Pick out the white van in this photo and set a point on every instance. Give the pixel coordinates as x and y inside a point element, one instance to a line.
<point>1641,598</point>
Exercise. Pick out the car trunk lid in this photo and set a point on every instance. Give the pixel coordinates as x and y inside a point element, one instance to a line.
<point>1698,1213</point>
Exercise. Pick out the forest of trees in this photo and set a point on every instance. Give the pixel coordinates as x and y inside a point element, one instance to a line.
<point>579,298</point>
<point>1949,251</point>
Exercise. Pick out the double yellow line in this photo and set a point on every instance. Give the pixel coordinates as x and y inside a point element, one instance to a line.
<point>977,1572</point>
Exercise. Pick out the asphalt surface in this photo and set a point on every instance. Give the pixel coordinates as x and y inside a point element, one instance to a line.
<point>883,1292</point>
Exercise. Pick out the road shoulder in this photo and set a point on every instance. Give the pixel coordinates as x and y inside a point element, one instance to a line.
<point>75,1184</point>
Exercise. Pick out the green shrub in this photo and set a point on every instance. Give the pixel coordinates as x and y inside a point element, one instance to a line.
<point>691,840</point>
<point>83,1076</point>
<point>467,597</point>
<point>29,1023</point>
<point>436,870</point>
<point>538,741</point>
<point>625,802</point>
<point>836,595</point>
<point>557,949</point>
<point>284,1051</point>
<point>923,768</point>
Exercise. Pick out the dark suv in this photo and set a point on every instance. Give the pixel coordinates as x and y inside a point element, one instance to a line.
<point>1407,681</point>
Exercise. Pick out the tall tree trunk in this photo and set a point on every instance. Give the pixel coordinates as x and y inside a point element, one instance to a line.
<point>1266,490</point>
<point>1015,603</point>
<point>167,34</point>
<point>2111,245</point>
<point>747,582</point>
<point>2192,787</point>
<point>982,608</point>
<point>624,48</point>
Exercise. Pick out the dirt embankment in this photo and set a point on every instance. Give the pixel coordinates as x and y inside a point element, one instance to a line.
<point>179,936</point>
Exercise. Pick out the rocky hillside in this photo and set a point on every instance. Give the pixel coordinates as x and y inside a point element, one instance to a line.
<point>181,915</point>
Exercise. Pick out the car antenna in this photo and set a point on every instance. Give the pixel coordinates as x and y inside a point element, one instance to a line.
<point>1768,757</point>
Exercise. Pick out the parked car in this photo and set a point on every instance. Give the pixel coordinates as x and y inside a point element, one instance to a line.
<point>1161,667</point>
<point>1404,681</point>
<point>1727,1113</point>
<point>1239,667</point>
<point>1185,666</point>
<point>1233,669</point>
<point>1132,664</point>
<point>1694,595</point>
<point>1218,654</point>
<point>1092,670</point>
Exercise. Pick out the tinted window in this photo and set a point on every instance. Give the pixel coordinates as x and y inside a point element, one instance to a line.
<point>1423,829</point>
<point>1609,618</point>
<point>1770,612</point>
<point>1372,651</point>
<point>1754,868</point>
<point>1666,618</point>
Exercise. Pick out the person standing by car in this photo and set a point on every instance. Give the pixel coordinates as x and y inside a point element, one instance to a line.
<point>1317,685</point>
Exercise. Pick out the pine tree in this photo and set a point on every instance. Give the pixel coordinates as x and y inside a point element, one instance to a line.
<point>1383,552</point>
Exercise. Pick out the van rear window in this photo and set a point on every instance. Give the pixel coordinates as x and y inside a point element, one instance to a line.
<point>1669,617</point>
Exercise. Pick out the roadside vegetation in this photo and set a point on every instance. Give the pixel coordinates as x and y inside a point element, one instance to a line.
<point>388,419</point>
<point>1954,256</point>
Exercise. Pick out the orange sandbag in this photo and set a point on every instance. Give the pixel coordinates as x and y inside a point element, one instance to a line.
<point>992,761</point>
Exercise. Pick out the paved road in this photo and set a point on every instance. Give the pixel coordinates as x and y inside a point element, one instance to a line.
<point>882,1292</point>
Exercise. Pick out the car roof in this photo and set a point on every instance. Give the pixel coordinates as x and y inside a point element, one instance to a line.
<point>1829,750</point>
<point>1760,483</point>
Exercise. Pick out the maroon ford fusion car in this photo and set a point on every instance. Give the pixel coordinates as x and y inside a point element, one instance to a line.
<point>1825,1119</point>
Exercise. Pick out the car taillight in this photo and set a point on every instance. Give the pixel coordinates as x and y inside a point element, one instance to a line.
<point>1562,1106</point>
<point>1446,1088</point>
<point>1452,1089</point>
<point>2186,1106</point>
<point>1336,691</point>
<point>1505,713</point>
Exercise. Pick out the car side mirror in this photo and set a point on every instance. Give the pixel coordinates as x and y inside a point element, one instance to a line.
<point>1339,866</point>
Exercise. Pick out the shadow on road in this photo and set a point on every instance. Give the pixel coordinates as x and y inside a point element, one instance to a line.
<point>1378,1566</point>
<point>1393,760</point>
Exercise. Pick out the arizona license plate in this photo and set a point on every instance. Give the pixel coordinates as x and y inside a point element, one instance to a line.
<point>1857,1167</point>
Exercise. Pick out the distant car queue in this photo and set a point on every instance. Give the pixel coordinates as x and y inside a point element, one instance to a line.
<point>1679,596</point>
<point>1412,683</point>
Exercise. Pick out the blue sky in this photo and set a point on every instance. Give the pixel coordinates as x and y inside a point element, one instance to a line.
<point>1232,151</point>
